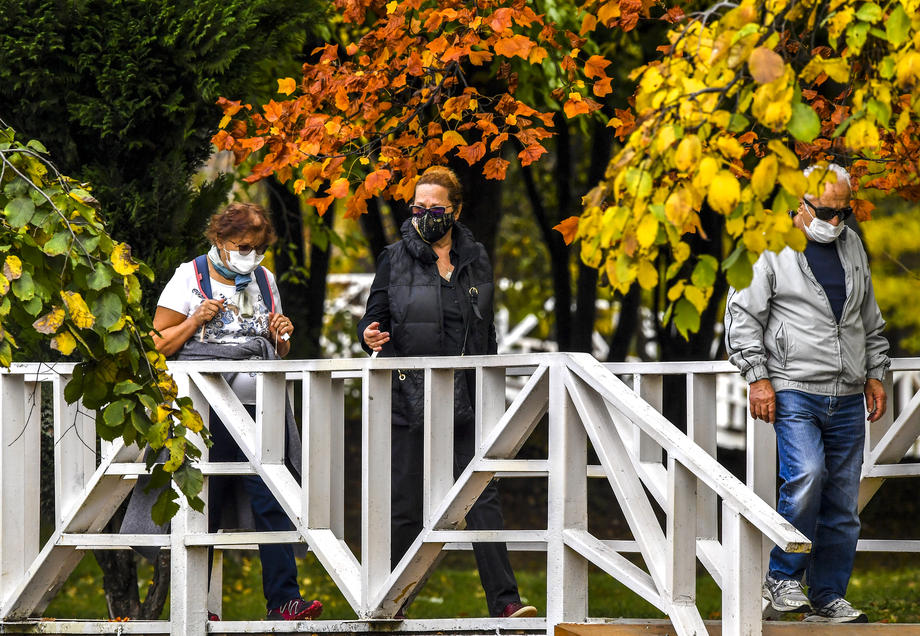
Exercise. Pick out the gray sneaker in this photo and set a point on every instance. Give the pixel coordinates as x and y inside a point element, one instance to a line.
<point>837,611</point>
<point>785,595</point>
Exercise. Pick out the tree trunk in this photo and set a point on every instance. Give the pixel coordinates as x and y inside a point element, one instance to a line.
<point>316,293</point>
<point>372,227</point>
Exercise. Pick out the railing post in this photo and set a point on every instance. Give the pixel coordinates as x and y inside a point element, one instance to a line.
<point>438,466</point>
<point>701,428</point>
<point>375,484</point>
<point>270,417</point>
<point>337,457</point>
<point>760,472</point>
<point>742,575</point>
<point>490,398</point>
<point>681,562</point>
<point>567,504</point>
<point>20,467</point>
<point>651,389</point>
<point>317,449</point>
<point>74,451</point>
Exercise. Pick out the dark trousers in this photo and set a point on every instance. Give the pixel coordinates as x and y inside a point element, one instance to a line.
<point>279,570</point>
<point>495,571</point>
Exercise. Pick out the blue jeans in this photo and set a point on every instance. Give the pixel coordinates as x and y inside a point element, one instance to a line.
<point>820,442</point>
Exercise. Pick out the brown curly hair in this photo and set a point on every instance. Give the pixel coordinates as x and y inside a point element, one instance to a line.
<point>238,218</point>
<point>447,179</point>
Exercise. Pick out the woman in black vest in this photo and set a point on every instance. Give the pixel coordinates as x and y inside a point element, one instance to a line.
<point>432,295</point>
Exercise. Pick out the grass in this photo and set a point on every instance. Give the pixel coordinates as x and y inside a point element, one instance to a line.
<point>885,588</point>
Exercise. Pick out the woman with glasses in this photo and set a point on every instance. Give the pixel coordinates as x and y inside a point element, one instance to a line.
<point>432,295</point>
<point>224,305</point>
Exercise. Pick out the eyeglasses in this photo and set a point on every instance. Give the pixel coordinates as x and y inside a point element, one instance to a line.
<point>436,211</point>
<point>245,248</point>
<point>826,213</point>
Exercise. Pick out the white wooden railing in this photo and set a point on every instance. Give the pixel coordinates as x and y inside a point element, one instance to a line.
<point>680,504</point>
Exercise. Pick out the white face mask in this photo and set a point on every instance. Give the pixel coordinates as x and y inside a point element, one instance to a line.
<point>822,231</point>
<point>243,264</point>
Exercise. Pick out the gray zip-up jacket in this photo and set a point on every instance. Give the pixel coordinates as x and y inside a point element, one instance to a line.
<point>782,328</point>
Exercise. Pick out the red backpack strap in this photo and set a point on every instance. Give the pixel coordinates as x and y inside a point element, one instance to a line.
<point>202,275</point>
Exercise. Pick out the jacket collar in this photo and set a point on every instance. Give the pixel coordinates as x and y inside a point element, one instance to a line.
<point>463,243</point>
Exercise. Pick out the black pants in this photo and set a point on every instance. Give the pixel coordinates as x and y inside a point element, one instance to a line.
<point>279,569</point>
<point>495,571</point>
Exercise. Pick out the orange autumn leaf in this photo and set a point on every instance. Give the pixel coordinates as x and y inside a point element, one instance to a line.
<point>377,181</point>
<point>495,168</point>
<point>321,204</point>
<point>531,153</point>
<point>568,228</point>
<point>610,11</point>
<point>273,111</point>
<point>472,153</point>
<point>573,107</point>
<point>519,45</point>
<point>595,66</point>
<point>588,24</point>
<point>450,140</point>
<point>602,87</point>
<point>229,108</point>
<point>862,209</point>
<point>501,19</point>
<point>339,188</point>
<point>478,58</point>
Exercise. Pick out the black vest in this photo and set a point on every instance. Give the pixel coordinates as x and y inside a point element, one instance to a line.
<point>416,319</point>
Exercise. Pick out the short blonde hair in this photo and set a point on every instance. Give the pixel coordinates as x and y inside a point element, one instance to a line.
<point>447,179</point>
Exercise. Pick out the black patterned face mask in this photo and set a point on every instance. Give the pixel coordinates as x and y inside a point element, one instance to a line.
<point>431,228</point>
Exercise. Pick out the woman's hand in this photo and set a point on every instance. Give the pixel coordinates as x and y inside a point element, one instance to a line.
<point>374,338</point>
<point>207,310</point>
<point>280,329</point>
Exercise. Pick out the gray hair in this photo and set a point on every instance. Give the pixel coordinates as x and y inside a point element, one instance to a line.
<point>840,171</point>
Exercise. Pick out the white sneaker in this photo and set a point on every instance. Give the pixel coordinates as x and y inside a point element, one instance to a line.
<point>785,595</point>
<point>837,611</point>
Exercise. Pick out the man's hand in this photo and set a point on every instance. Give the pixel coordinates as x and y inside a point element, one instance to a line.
<point>762,399</point>
<point>876,399</point>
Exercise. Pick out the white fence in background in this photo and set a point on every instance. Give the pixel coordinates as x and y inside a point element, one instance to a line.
<point>681,506</point>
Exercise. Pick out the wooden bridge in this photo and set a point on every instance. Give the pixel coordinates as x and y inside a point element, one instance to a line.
<point>681,506</point>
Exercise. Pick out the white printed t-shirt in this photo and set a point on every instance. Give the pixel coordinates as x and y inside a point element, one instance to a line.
<point>181,294</point>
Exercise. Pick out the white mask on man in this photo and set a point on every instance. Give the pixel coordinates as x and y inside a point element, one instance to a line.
<point>822,231</point>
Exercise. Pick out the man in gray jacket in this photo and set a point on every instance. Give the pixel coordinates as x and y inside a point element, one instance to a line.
<point>807,337</point>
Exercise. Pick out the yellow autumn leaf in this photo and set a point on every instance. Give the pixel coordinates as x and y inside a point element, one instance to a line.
<point>724,192</point>
<point>729,147</point>
<point>765,65</point>
<point>79,312</point>
<point>122,261</point>
<point>681,252</point>
<point>647,275</point>
<point>176,446</point>
<point>190,419</point>
<point>12,267</point>
<point>647,231</point>
<point>863,134</point>
<point>64,343</point>
<point>706,173</point>
<point>676,290</point>
<point>793,182</point>
<point>4,285</point>
<point>50,322</point>
<point>836,68</point>
<point>287,85</point>
<point>665,138</point>
<point>696,297</point>
<point>688,153</point>
<point>391,6</point>
<point>678,207</point>
<point>763,179</point>
<point>908,69</point>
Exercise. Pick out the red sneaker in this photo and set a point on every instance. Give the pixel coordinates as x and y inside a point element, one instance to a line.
<point>518,610</point>
<point>296,609</point>
<point>213,617</point>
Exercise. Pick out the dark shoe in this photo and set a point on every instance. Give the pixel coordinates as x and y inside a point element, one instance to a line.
<point>837,611</point>
<point>518,610</point>
<point>213,617</point>
<point>296,610</point>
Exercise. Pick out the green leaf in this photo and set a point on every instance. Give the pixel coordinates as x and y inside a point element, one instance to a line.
<point>738,123</point>
<point>107,433</point>
<point>856,36</point>
<point>6,353</point>
<point>740,272</point>
<point>117,341</point>
<point>33,306</point>
<point>156,434</point>
<point>189,479</point>
<point>140,421</point>
<point>23,286</point>
<point>126,387</point>
<point>686,317</point>
<point>704,274</point>
<point>101,277</point>
<point>880,110</point>
<point>897,26</point>
<point>108,309</point>
<point>165,507</point>
<point>114,414</point>
<point>804,123</point>
<point>37,146</point>
<point>19,211</point>
<point>74,387</point>
<point>784,201</point>
<point>869,12</point>
<point>59,243</point>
